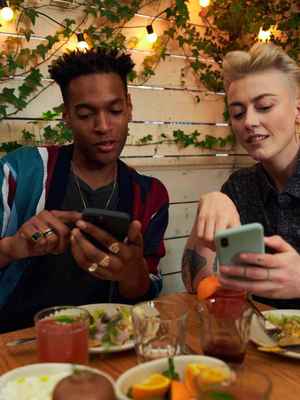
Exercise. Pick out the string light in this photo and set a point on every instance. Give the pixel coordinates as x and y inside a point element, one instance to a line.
<point>151,35</point>
<point>81,43</point>
<point>6,12</point>
<point>204,3</point>
<point>264,36</point>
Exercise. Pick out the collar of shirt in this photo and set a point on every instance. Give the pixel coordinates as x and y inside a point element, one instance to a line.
<point>268,188</point>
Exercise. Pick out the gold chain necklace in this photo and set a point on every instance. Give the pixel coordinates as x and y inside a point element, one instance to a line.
<point>81,194</point>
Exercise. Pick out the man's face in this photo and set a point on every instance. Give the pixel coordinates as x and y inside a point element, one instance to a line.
<point>263,111</point>
<point>98,111</point>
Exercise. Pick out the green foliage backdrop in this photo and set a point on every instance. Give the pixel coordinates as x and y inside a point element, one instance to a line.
<point>224,25</point>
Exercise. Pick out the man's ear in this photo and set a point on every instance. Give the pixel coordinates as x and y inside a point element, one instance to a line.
<point>129,105</point>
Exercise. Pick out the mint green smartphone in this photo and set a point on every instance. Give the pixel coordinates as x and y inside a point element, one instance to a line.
<point>247,238</point>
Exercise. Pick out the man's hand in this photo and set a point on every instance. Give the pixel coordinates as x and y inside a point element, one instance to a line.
<point>269,275</point>
<point>44,233</point>
<point>116,261</point>
<point>216,211</point>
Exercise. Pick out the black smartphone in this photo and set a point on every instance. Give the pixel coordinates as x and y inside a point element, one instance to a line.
<point>114,222</point>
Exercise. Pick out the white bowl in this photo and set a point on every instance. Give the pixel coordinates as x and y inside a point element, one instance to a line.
<point>142,371</point>
<point>44,369</point>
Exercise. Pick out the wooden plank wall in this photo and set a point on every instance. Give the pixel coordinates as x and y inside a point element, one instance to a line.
<point>161,105</point>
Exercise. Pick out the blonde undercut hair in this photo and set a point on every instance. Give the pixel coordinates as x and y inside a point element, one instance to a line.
<point>261,57</point>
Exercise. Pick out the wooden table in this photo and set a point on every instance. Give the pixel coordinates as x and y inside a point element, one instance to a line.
<point>284,372</point>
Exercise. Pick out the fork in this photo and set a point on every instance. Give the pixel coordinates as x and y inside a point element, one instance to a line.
<point>16,342</point>
<point>270,329</point>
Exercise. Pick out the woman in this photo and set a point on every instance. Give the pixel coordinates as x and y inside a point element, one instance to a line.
<point>263,94</point>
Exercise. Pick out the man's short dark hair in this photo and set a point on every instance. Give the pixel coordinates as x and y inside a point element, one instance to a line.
<point>74,64</point>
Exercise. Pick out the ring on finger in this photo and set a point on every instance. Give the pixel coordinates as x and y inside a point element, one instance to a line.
<point>93,267</point>
<point>268,275</point>
<point>245,272</point>
<point>36,236</point>
<point>104,262</point>
<point>48,232</point>
<point>114,248</point>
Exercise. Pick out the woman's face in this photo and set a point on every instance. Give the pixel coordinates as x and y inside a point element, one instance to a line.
<point>263,110</point>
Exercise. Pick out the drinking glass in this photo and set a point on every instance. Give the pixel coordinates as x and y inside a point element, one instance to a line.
<point>247,384</point>
<point>225,320</point>
<point>159,329</point>
<point>62,334</point>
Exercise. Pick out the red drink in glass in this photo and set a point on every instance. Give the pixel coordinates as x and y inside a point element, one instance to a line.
<point>225,323</point>
<point>62,335</point>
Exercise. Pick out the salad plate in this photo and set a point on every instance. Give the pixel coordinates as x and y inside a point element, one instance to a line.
<point>260,337</point>
<point>112,327</point>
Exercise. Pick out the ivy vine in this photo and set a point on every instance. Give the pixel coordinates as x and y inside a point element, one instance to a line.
<point>225,25</point>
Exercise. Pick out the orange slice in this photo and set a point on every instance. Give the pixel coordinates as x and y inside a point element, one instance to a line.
<point>202,374</point>
<point>155,385</point>
<point>179,391</point>
<point>207,287</point>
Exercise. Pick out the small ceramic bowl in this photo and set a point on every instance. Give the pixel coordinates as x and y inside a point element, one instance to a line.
<point>42,376</point>
<point>142,371</point>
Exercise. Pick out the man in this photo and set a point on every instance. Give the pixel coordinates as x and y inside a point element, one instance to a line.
<point>46,258</point>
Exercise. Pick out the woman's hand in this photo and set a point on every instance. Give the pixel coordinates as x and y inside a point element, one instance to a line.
<point>268,275</point>
<point>216,211</point>
<point>112,260</point>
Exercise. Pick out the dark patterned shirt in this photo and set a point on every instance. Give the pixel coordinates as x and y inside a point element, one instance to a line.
<point>257,200</point>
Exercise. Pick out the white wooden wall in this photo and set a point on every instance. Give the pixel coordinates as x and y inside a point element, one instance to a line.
<point>160,107</point>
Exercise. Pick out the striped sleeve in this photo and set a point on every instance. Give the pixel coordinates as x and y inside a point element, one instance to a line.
<point>151,207</point>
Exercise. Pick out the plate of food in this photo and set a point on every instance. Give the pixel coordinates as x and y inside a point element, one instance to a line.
<point>285,340</point>
<point>55,381</point>
<point>111,329</point>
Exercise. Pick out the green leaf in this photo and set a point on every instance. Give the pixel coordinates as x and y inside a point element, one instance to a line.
<point>32,14</point>
<point>27,135</point>
<point>28,34</point>
<point>9,146</point>
<point>219,396</point>
<point>25,90</point>
<point>50,115</point>
<point>34,79</point>
<point>42,50</point>
<point>64,319</point>
<point>3,110</point>
<point>171,372</point>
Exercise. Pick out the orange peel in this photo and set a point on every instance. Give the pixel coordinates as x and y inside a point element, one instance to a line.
<point>154,385</point>
<point>207,287</point>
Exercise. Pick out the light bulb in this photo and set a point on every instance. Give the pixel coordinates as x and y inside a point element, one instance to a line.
<point>204,3</point>
<point>6,13</point>
<point>151,35</point>
<point>264,36</point>
<point>81,43</point>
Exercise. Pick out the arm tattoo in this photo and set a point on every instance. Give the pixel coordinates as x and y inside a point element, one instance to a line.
<point>192,263</point>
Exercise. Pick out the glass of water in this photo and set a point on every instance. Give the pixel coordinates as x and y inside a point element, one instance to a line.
<point>159,329</point>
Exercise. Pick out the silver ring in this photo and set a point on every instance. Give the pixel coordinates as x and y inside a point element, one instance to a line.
<point>268,274</point>
<point>48,232</point>
<point>93,267</point>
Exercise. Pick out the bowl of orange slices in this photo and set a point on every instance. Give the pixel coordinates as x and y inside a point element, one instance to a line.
<point>181,377</point>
